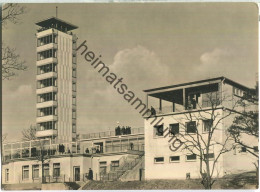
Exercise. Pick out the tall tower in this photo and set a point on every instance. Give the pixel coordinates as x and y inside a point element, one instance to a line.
<point>56,80</point>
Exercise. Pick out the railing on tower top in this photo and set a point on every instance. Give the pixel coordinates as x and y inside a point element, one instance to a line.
<point>133,131</point>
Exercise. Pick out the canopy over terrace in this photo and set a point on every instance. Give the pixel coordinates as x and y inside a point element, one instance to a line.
<point>190,95</point>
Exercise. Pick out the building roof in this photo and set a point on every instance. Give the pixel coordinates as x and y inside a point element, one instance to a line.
<point>54,20</point>
<point>226,80</point>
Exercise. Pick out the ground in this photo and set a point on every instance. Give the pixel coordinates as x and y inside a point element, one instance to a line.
<point>238,181</point>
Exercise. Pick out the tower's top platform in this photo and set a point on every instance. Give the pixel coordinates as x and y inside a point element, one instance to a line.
<point>55,22</point>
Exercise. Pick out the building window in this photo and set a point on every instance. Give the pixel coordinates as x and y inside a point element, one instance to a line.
<point>191,157</point>
<point>103,167</point>
<point>6,175</point>
<point>51,67</point>
<point>73,100</point>
<point>46,40</point>
<point>35,171</point>
<point>243,149</point>
<point>158,159</point>
<point>25,172</point>
<point>114,165</point>
<point>74,73</point>
<point>46,111</point>
<point>238,92</point>
<point>73,128</point>
<point>52,96</point>
<point>47,125</point>
<point>46,170</point>
<point>207,125</point>
<point>255,148</point>
<point>158,130</point>
<point>74,88</point>
<point>191,127</point>
<point>46,83</point>
<point>74,115</point>
<point>174,129</point>
<point>56,169</point>
<point>175,159</point>
<point>210,156</point>
<point>46,54</point>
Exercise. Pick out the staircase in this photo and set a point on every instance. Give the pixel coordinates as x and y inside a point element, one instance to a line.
<point>126,164</point>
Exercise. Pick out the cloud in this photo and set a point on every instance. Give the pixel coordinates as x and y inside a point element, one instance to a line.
<point>140,67</point>
<point>22,91</point>
<point>217,62</point>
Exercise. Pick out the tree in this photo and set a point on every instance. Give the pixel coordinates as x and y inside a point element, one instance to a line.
<point>208,145</point>
<point>245,128</point>
<point>29,134</point>
<point>38,150</point>
<point>11,62</point>
<point>41,154</point>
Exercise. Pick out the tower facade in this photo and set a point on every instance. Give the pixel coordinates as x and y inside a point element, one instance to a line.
<point>56,80</point>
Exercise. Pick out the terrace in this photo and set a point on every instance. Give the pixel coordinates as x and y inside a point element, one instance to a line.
<point>33,149</point>
<point>184,97</point>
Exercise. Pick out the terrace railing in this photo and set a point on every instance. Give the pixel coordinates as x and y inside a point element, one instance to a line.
<point>139,130</point>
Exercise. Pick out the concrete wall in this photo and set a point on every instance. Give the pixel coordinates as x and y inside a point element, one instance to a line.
<point>64,83</point>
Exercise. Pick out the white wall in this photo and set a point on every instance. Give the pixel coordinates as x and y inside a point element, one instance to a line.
<point>159,147</point>
<point>64,96</point>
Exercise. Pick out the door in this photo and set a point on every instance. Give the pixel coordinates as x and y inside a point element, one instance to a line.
<point>76,173</point>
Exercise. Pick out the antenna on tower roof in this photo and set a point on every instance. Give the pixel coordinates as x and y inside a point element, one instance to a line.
<point>57,11</point>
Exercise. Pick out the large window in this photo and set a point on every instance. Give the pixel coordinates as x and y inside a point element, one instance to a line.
<point>6,175</point>
<point>35,171</point>
<point>52,96</point>
<point>46,83</point>
<point>158,159</point>
<point>26,172</point>
<point>51,67</point>
<point>174,129</point>
<point>158,130</point>
<point>47,54</point>
<point>207,125</point>
<point>46,111</point>
<point>46,40</point>
<point>191,127</point>
<point>56,169</point>
<point>47,125</point>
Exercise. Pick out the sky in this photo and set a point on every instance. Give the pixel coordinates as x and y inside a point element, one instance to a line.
<point>148,45</point>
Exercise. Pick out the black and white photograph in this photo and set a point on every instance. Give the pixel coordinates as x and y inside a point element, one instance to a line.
<point>130,96</point>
